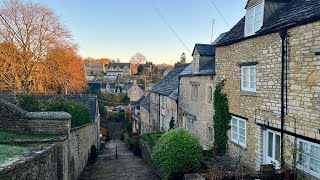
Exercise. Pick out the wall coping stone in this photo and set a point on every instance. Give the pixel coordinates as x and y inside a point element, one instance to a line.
<point>38,141</point>
<point>13,107</point>
<point>50,115</point>
<point>80,127</point>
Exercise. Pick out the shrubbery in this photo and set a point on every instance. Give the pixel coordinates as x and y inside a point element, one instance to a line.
<point>177,153</point>
<point>80,113</point>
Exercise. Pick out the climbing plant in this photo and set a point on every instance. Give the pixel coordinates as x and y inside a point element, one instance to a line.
<point>221,118</point>
<point>171,124</point>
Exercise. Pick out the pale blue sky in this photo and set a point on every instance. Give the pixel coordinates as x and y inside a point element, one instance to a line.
<point>120,28</point>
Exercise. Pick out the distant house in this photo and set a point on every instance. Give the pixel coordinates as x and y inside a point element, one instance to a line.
<point>135,114</point>
<point>118,69</point>
<point>163,101</point>
<point>133,91</point>
<point>195,108</point>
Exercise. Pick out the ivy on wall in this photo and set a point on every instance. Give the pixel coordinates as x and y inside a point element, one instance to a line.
<point>221,118</point>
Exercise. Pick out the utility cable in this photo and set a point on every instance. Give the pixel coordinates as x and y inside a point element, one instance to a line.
<point>154,5</point>
<point>214,4</point>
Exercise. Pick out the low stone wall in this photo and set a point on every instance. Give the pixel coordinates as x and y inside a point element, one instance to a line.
<point>14,118</point>
<point>80,141</point>
<point>33,167</point>
<point>146,151</point>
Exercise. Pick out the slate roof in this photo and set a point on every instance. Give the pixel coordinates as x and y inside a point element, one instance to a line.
<point>206,70</point>
<point>145,103</point>
<point>295,13</point>
<point>127,86</point>
<point>204,49</point>
<point>170,82</point>
<point>121,65</point>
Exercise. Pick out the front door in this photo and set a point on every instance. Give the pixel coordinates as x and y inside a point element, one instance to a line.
<point>272,148</point>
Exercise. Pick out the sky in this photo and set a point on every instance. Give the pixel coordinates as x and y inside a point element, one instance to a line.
<point>120,28</point>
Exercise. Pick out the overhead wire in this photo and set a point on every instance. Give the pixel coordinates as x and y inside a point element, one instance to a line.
<point>214,4</point>
<point>159,12</point>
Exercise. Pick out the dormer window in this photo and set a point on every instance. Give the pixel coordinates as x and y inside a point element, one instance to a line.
<point>254,19</point>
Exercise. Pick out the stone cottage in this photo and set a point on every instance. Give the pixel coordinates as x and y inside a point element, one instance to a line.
<point>270,60</point>
<point>163,101</point>
<point>118,69</point>
<point>133,90</point>
<point>195,105</point>
<point>145,114</point>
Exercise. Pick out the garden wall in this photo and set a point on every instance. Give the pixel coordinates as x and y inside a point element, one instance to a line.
<point>14,118</point>
<point>145,151</point>
<point>36,166</point>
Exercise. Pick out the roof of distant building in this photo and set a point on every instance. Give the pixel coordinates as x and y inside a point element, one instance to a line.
<point>207,70</point>
<point>204,49</point>
<point>145,103</point>
<point>127,86</point>
<point>121,65</point>
<point>296,12</point>
<point>170,82</point>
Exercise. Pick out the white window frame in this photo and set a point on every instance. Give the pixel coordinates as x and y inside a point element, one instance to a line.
<point>189,124</point>
<point>254,89</point>
<point>209,101</point>
<point>254,29</point>
<point>194,91</point>
<point>237,141</point>
<point>307,154</point>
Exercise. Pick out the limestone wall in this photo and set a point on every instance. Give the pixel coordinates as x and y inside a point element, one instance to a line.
<point>168,109</point>
<point>303,108</point>
<point>144,118</point>
<point>42,165</point>
<point>199,108</point>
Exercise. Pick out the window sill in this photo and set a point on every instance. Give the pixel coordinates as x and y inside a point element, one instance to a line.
<point>238,145</point>
<point>248,93</point>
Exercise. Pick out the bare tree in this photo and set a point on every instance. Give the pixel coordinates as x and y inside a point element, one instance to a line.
<point>30,30</point>
<point>137,59</point>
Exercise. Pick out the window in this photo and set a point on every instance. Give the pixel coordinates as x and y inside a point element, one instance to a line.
<point>248,78</point>
<point>254,19</point>
<point>210,134</point>
<point>162,122</point>
<point>273,148</point>
<point>238,131</point>
<point>162,102</point>
<point>194,92</point>
<point>309,157</point>
<point>209,94</point>
<point>189,124</point>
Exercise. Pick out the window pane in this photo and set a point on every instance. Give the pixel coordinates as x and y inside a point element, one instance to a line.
<point>270,144</point>
<point>234,129</point>
<point>258,8</point>
<point>242,132</point>
<point>234,136</point>
<point>317,167</point>
<point>242,139</point>
<point>246,84</point>
<point>277,147</point>
<point>312,164</point>
<point>242,124</point>
<point>318,153</point>
<point>234,122</point>
<point>313,151</point>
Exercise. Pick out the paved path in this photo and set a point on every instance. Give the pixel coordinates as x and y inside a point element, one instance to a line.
<point>125,167</point>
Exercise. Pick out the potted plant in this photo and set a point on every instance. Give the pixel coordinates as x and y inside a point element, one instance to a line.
<point>291,174</point>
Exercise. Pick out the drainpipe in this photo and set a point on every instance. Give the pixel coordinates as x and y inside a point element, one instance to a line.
<point>283,35</point>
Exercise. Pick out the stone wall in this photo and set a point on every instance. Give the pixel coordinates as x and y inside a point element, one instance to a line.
<point>135,92</point>
<point>145,121</point>
<point>303,109</point>
<point>154,112</point>
<point>72,152</point>
<point>168,109</point>
<point>14,118</point>
<point>40,165</point>
<point>199,108</point>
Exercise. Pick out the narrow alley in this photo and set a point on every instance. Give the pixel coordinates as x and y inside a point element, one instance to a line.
<point>125,167</point>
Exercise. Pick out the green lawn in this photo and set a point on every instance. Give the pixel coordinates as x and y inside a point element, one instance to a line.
<point>9,154</point>
<point>9,136</point>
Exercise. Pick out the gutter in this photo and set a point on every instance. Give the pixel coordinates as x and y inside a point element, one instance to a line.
<point>283,35</point>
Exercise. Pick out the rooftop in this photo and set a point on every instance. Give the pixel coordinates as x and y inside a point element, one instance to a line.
<point>296,12</point>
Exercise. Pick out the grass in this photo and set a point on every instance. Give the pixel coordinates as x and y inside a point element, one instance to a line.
<point>9,154</point>
<point>11,136</point>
